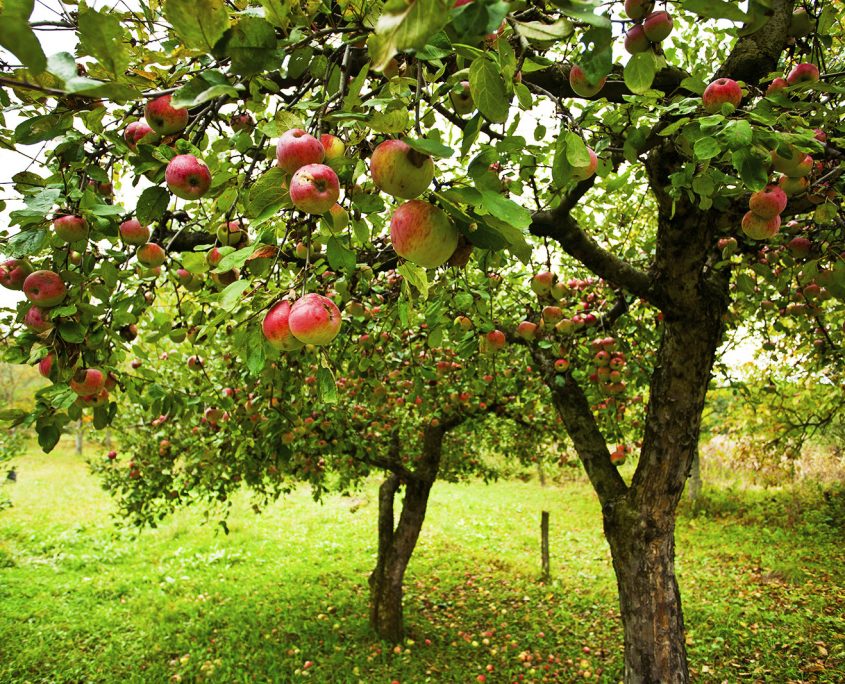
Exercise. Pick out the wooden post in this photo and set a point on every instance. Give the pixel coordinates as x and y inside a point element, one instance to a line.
<point>544,546</point>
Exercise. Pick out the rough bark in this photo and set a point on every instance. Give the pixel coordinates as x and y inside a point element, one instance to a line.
<point>397,545</point>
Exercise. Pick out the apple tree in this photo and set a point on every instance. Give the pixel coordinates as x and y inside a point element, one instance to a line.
<point>226,141</point>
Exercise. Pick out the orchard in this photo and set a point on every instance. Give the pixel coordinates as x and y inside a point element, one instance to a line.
<point>277,243</point>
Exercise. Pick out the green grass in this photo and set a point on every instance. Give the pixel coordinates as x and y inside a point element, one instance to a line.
<point>81,601</point>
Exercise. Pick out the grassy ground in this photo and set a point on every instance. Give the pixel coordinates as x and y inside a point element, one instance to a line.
<point>283,597</point>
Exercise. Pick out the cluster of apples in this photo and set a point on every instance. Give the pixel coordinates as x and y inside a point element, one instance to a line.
<point>650,28</point>
<point>617,457</point>
<point>312,319</point>
<point>609,366</point>
<point>546,286</point>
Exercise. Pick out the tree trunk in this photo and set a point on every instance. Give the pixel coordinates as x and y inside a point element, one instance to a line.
<point>397,545</point>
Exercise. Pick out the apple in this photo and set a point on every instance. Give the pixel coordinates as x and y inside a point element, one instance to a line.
<point>103,188</point>
<point>44,288</point>
<point>581,173</point>
<point>232,234</point>
<point>241,121</point>
<point>803,73</point>
<point>339,218</point>
<point>581,85</point>
<point>133,233</point>
<point>296,149</point>
<point>461,99</point>
<point>187,177</point>
<point>759,228</point>
<point>71,228</point>
<point>820,135</point>
<point>617,457</point>
<point>111,455</point>
<point>47,365</point>
<point>561,365</point>
<point>551,315</point>
<point>423,234</point>
<point>768,203</point>
<point>332,146</point>
<point>785,164</point>
<point>776,85</point>
<point>720,92</point>
<point>276,328</point>
<point>194,362</point>
<point>494,341</point>
<point>803,168</point>
<point>314,188</point>
<point>151,255</point>
<point>314,319</point>
<point>637,9</point>
<point>87,381</point>
<point>542,283</point>
<point>139,132</point>
<point>163,118</point>
<point>101,398</point>
<point>401,171</point>
<point>658,26</point>
<point>635,40</point>
<point>13,272</point>
<point>800,247</point>
<point>37,320</point>
<point>793,186</point>
<point>463,322</point>
<point>526,330</point>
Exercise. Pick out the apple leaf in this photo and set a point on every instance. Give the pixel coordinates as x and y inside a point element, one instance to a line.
<point>200,23</point>
<point>277,12</point>
<point>340,257</point>
<point>753,168</point>
<point>231,296</point>
<point>405,26</point>
<point>716,9</point>
<point>541,34</point>
<point>505,209</point>
<point>416,276</point>
<point>706,148</point>
<point>17,36</point>
<point>639,72</point>
<point>151,205</point>
<point>102,36</point>
<point>583,11</point>
<point>267,191</point>
<point>430,146</point>
<point>235,259</point>
<point>195,262</point>
<point>207,86</point>
<point>738,133</point>
<point>252,46</point>
<point>488,90</point>
<point>576,150</point>
<point>326,385</point>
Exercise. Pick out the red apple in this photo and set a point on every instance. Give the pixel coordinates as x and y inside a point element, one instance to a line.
<point>461,99</point>
<point>793,186</point>
<point>276,328</point>
<point>580,173</point>
<point>759,228</point>
<point>37,320</point>
<point>163,118</point>
<point>87,381</point>
<point>494,341</point>
<point>13,272</point>
<point>187,177</point>
<point>526,330</point>
<point>768,203</point>
<point>800,247</point>
<point>333,146</point>
<point>776,85</point>
<point>296,149</point>
<point>719,92</point>
<point>133,233</point>
<point>139,132</point>
<point>44,288</point>
<point>635,40</point>
<point>637,9</point>
<point>658,26</point>
<point>241,121</point>
<point>151,255</point>
<point>423,234</point>
<point>314,319</point>
<point>71,228</point>
<point>551,315</point>
<point>401,171</point>
<point>561,365</point>
<point>47,365</point>
<point>581,85</point>
<point>542,283</point>
<point>314,188</point>
<point>803,73</point>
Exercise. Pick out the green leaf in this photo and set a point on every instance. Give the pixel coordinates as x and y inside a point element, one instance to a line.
<point>17,36</point>
<point>277,12</point>
<point>251,45</point>
<point>405,26</point>
<point>583,11</point>
<point>102,36</point>
<point>267,191</point>
<point>706,148</point>
<point>40,128</point>
<point>541,34</point>
<point>151,205</point>
<point>716,9</point>
<point>738,133</point>
<point>326,385</point>
<point>231,296</point>
<point>48,437</point>
<point>256,354</point>
<point>72,332</point>
<point>505,209</point>
<point>207,86</point>
<point>639,72</point>
<point>429,146</point>
<point>200,23</point>
<point>487,87</point>
<point>577,153</point>
<point>235,259</point>
<point>195,262</point>
<point>753,167</point>
<point>339,257</point>
<point>394,121</point>
<point>26,243</point>
<point>416,276</point>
